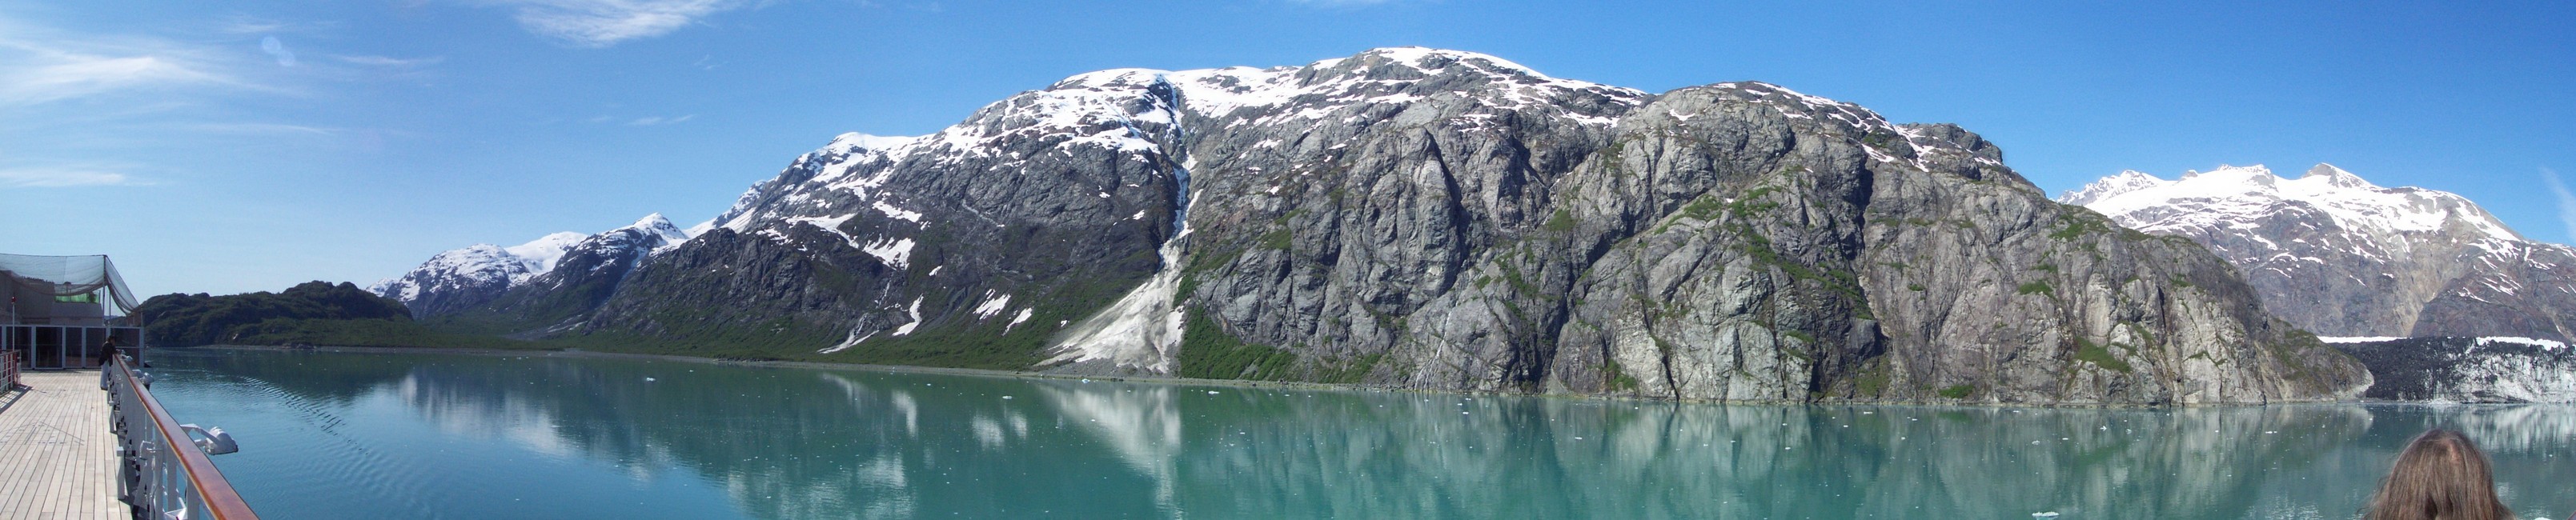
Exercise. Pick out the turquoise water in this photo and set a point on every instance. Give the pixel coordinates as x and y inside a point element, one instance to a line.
<point>335,435</point>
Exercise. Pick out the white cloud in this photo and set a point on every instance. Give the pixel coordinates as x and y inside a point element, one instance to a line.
<point>65,76</point>
<point>601,23</point>
<point>255,128</point>
<point>2566,200</point>
<point>659,120</point>
<point>389,61</point>
<point>241,24</point>
<point>61,178</point>
<point>40,66</point>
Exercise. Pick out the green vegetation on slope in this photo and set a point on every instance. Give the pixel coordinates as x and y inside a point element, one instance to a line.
<point>318,313</point>
<point>1208,352</point>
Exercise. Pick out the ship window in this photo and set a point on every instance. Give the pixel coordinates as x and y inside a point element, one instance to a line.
<point>77,298</point>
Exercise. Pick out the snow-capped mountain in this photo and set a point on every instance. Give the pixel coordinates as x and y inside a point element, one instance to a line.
<point>1442,219</point>
<point>2340,256</point>
<point>467,277</point>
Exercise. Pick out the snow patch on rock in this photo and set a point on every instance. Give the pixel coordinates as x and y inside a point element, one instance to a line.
<point>994,303</point>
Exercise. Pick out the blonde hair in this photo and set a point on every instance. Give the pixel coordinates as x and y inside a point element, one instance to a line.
<point>2440,476</point>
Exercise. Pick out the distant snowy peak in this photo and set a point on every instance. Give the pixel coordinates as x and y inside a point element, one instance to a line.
<point>540,255</point>
<point>479,264</point>
<point>658,227</point>
<point>854,142</point>
<point>2236,195</point>
<point>648,235</point>
<point>2337,177</point>
<point>2337,255</point>
<point>2112,186</point>
<point>1385,75</point>
<point>463,277</point>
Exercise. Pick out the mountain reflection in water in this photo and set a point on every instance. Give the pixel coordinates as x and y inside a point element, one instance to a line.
<point>334,435</point>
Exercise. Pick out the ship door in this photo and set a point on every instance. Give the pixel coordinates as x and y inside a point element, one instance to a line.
<point>46,352</point>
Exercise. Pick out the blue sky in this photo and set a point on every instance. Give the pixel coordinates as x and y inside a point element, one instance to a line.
<point>249,145</point>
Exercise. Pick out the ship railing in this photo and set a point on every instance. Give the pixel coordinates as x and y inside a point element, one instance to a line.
<point>164,468</point>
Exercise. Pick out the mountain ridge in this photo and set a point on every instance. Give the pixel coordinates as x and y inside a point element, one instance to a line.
<point>460,279</point>
<point>2343,257</point>
<point>1423,218</point>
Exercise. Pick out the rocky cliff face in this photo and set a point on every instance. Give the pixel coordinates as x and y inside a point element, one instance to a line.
<point>2340,256</point>
<point>1440,219</point>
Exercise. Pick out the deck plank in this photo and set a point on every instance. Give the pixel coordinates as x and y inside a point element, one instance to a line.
<point>57,458</point>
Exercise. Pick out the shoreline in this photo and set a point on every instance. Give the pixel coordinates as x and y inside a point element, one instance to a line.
<point>827,365</point>
<point>1234,383</point>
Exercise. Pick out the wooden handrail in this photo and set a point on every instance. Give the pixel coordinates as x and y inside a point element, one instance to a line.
<point>221,500</point>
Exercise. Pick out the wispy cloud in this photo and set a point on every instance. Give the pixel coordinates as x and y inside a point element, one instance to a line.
<point>40,66</point>
<point>659,120</point>
<point>389,61</point>
<point>62,177</point>
<point>255,128</point>
<point>243,24</point>
<point>65,76</point>
<point>2566,200</point>
<point>602,23</point>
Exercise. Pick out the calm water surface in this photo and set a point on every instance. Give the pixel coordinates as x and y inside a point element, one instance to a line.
<point>336,435</point>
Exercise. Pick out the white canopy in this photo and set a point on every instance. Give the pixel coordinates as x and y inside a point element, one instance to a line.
<point>65,276</point>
